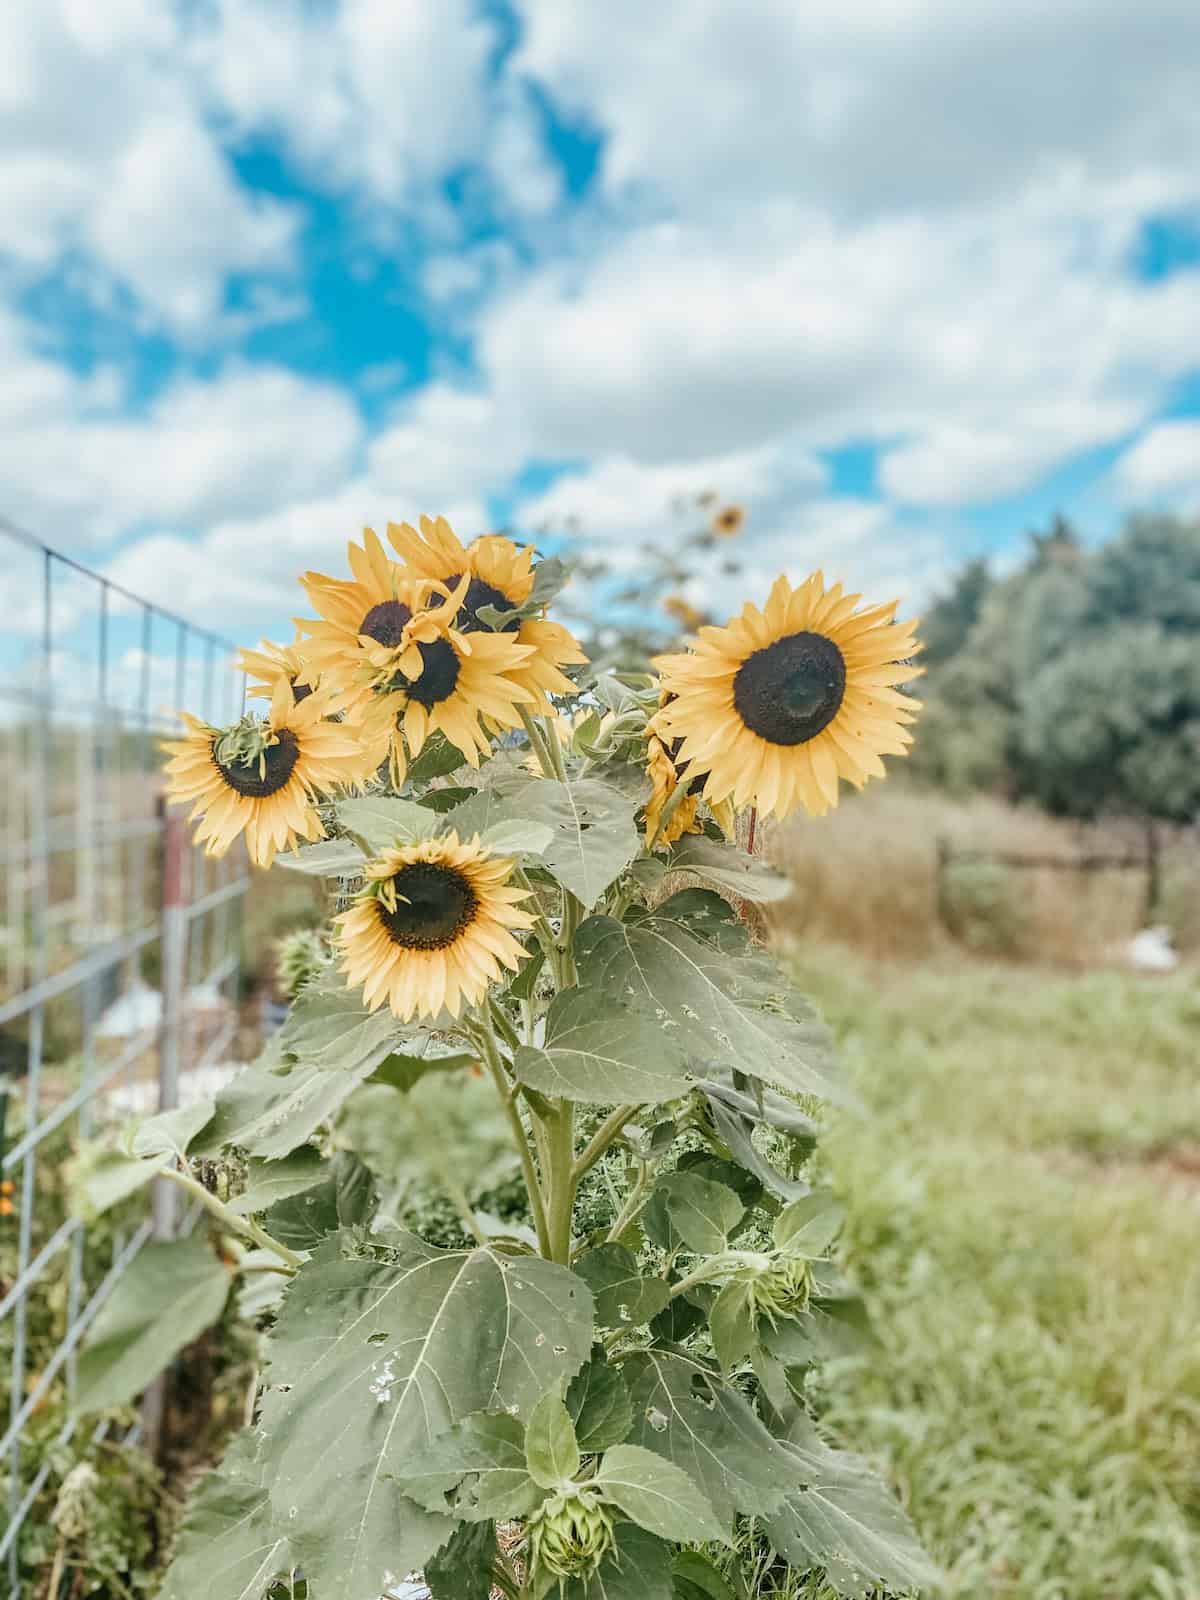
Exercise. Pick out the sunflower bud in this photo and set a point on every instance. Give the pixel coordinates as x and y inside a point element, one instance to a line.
<point>569,1535</point>
<point>301,957</point>
<point>783,1289</point>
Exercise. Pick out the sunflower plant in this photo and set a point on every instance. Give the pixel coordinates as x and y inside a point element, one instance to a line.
<point>533,897</point>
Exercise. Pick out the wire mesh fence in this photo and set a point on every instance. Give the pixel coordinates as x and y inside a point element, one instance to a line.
<point>119,959</point>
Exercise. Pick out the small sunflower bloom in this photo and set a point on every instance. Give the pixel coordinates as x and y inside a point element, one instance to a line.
<point>781,703</point>
<point>262,777</point>
<point>432,927</point>
<point>728,521</point>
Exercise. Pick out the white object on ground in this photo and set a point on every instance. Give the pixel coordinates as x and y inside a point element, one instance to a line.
<point>138,1010</point>
<point>1150,950</point>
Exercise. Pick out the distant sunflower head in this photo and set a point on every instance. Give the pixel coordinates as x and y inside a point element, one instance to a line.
<point>262,776</point>
<point>432,927</point>
<point>499,574</point>
<point>683,611</point>
<point>781,703</point>
<point>728,521</point>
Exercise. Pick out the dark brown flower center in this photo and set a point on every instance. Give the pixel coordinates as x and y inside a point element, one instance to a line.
<point>385,622</point>
<point>263,776</point>
<point>438,904</point>
<point>479,594</point>
<point>439,674</point>
<point>791,689</point>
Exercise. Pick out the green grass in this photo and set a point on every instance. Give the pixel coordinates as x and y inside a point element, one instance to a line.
<point>1026,1229</point>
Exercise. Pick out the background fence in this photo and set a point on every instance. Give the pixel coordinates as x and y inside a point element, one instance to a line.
<point>119,954</point>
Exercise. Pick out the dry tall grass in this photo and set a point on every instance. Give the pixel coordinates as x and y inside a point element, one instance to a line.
<point>866,876</point>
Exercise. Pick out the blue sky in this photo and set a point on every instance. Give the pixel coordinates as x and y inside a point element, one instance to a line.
<point>905,278</point>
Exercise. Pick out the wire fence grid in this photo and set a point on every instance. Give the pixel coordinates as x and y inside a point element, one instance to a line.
<point>119,957</point>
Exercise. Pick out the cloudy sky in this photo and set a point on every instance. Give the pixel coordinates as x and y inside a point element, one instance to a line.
<point>903,275</point>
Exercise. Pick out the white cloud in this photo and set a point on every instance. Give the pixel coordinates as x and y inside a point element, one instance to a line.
<point>76,470</point>
<point>980,349</point>
<point>1165,462</point>
<point>103,150</point>
<point>872,105</point>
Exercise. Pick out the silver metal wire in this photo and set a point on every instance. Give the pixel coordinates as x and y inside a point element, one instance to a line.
<point>90,677</point>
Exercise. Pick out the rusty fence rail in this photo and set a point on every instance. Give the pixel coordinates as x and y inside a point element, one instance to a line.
<point>119,955</point>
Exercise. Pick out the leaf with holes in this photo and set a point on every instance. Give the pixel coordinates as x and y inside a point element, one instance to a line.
<point>475,1471</point>
<point>624,1299</point>
<point>166,1297</point>
<point>729,1007</point>
<point>841,1517</point>
<point>684,1413</point>
<point>371,1360</point>
<point>658,1496</point>
<point>598,1052</point>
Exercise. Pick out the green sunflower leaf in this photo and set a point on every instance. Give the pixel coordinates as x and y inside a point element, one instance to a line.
<point>599,1052</point>
<point>731,1008</point>
<point>730,869</point>
<point>329,858</point>
<point>551,1448</point>
<point>370,1362</point>
<point>331,1029</point>
<point>269,1181</point>
<point>166,1297</point>
<point>658,1496</point>
<point>344,1198</point>
<point>227,1547</point>
<point>697,1579</point>
<point>684,1413</point>
<point>462,1568</point>
<point>808,1226</point>
<point>624,1299</point>
<point>380,821</point>
<point>733,1323</point>
<point>475,1471</point>
<point>598,1400</point>
<point>838,1515</point>
<point>701,1213</point>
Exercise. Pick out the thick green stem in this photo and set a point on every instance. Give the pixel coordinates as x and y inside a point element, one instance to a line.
<point>230,1219</point>
<point>555,751</point>
<point>608,1131</point>
<point>537,740</point>
<point>537,1205</point>
<point>560,1150</point>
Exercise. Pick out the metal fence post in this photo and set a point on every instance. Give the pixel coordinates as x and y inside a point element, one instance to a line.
<point>174,969</point>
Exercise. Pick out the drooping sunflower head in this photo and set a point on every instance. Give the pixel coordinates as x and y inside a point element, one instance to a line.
<point>728,521</point>
<point>262,776</point>
<point>432,927</point>
<point>499,574</point>
<point>667,772</point>
<point>269,663</point>
<point>781,703</point>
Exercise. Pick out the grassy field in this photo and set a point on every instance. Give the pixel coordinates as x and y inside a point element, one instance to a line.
<point>1025,1215</point>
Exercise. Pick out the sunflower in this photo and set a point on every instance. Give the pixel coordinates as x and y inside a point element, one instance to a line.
<point>500,574</point>
<point>779,704</point>
<point>432,927</point>
<point>728,521</point>
<point>666,773</point>
<point>270,662</point>
<point>389,646</point>
<point>261,776</point>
